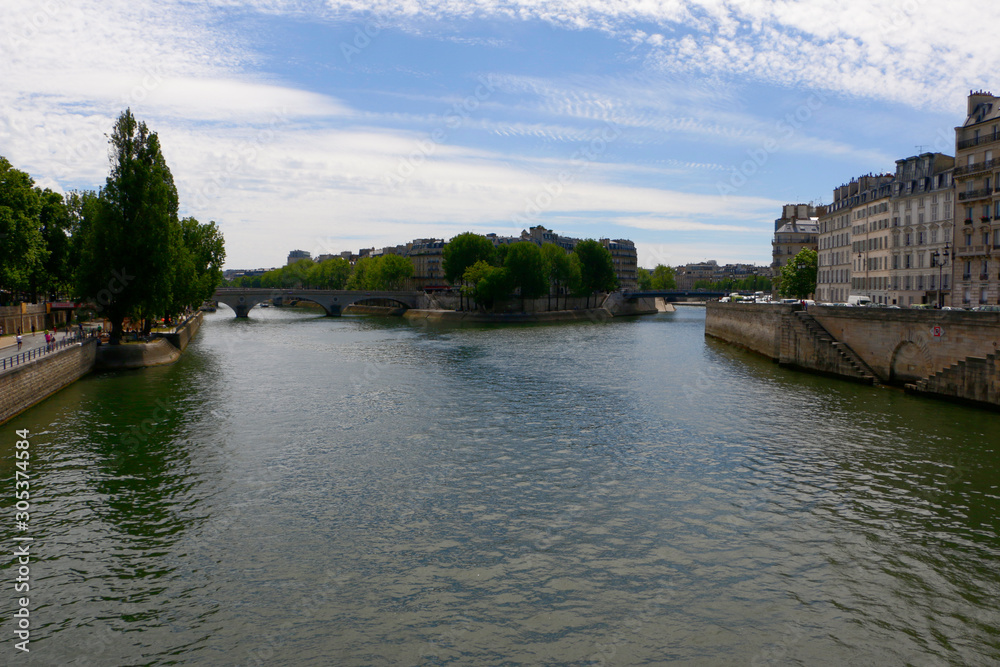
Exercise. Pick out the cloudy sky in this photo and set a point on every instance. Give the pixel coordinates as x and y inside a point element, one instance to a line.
<point>335,125</point>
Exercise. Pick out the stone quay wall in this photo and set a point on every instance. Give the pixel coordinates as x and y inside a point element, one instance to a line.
<point>947,354</point>
<point>755,327</point>
<point>32,382</point>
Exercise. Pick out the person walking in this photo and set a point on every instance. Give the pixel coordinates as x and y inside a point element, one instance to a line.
<point>19,341</point>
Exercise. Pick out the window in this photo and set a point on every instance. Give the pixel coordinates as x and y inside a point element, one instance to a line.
<point>934,235</point>
<point>967,272</point>
<point>908,262</point>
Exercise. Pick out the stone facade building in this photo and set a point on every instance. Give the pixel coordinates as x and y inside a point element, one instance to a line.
<point>922,229</point>
<point>976,270</point>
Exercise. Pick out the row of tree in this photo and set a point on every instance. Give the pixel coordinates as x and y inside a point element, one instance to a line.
<point>660,278</point>
<point>489,273</point>
<point>381,272</point>
<point>123,247</point>
<point>749,284</point>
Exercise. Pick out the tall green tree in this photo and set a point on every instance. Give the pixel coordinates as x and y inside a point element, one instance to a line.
<point>131,246</point>
<point>560,269</point>
<point>597,270</point>
<point>486,284</point>
<point>391,272</point>
<point>22,246</point>
<point>331,273</point>
<point>197,264</point>
<point>463,251</point>
<point>798,277</point>
<point>663,278</point>
<point>526,270</point>
<point>56,273</point>
<point>644,278</point>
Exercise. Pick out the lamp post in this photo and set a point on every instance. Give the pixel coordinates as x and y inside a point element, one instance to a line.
<point>940,259</point>
<point>865,288</point>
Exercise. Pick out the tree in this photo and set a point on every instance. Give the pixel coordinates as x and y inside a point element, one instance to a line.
<point>56,273</point>
<point>526,270</point>
<point>129,255</point>
<point>391,271</point>
<point>331,273</point>
<point>22,247</point>
<point>798,277</point>
<point>359,277</point>
<point>487,283</point>
<point>597,270</point>
<point>559,268</point>
<point>198,264</point>
<point>663,278</point>
<point>463,251</point>
<point>644,278</point>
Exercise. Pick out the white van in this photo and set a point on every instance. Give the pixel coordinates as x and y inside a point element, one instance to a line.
<point>858,300</point>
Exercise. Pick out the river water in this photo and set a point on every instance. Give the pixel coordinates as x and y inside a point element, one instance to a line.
<point>300,490</point>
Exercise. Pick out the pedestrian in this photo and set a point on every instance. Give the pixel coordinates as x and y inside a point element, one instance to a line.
<point>19,341</point>
<point>32,329</point>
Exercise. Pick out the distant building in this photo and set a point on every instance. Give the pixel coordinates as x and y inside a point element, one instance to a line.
<point>426,255</point>
<point>296,255</point>
<point>625,260</point>
<point>792,233</point>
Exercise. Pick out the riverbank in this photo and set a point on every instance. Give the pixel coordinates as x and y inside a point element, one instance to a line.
<point>166,349</point>
<point>940,354</point>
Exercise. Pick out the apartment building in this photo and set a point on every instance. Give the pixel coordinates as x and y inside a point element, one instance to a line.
<point>835,258</point>
<point>798,228</point>
<point>922,228</point>
<point>975,269</point>
<point>870,239</point>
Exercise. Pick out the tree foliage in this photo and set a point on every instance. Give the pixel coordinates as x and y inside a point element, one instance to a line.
<point>486,283</point>
<point>597,270</point>
<point>463,251</point>
<point>662,278</point>
<point>135,257</point>
<point>748,284</point>
<point>798,277</point>
<point>526,270</point>
<point>22,246</point>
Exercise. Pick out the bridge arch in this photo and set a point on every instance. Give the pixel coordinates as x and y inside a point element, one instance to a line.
<point>910,362</point>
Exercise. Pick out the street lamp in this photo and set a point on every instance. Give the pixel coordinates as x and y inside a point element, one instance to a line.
<point>865,288</point>
<point>940,259</point>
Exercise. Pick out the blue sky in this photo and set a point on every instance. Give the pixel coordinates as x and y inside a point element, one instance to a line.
<point>330,126</point>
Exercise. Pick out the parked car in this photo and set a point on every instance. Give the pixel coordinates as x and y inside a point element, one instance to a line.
<point>987,307</point>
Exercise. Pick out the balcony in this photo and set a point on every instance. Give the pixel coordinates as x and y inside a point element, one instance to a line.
<point>972,251</point>
<point>978,141</point>
<point>981,193</point>
<point>976,168</point>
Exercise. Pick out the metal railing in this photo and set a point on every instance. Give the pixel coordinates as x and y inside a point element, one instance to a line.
<point>35,353</point>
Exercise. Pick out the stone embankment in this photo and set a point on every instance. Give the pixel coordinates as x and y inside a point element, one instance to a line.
<point>32,382</point>
<point>945,354</point>
<point>165,349</point>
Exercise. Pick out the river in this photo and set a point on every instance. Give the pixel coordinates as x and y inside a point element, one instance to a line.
<point>301,490</point>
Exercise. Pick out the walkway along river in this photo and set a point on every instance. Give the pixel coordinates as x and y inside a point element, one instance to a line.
<point>300,490</point>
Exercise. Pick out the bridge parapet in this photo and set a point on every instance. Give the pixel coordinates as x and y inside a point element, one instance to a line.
<point>332,301</point>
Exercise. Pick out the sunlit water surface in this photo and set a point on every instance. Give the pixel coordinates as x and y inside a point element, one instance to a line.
<point>301,490</point>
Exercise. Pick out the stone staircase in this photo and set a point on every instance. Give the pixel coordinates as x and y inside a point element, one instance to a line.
<point>845,362</point>
<point>972,379</point>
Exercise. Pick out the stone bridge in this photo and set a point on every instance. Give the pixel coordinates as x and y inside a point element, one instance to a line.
<point>332,301</point>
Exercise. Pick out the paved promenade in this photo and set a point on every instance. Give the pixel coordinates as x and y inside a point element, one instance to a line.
<point>8,344</point>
